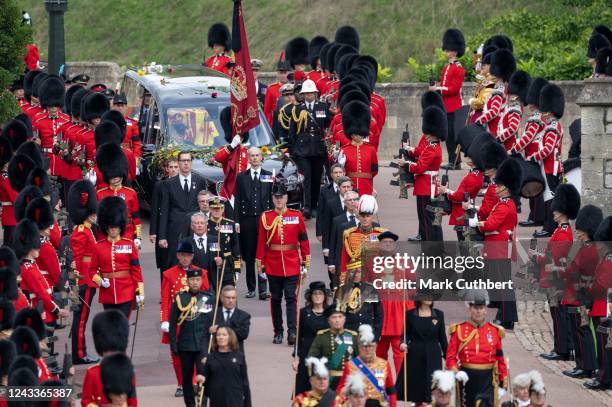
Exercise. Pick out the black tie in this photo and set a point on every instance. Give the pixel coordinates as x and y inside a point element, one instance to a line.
<point>255,176</point>
<point>201,241</point>
<point>227,315</point>
<point>186,187</point>
<point>352,218</point>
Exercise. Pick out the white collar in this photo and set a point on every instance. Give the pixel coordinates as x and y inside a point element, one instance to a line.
<point>182,178</point>
<point>197,238</point>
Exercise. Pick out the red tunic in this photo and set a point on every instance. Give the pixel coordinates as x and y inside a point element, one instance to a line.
<point>452,79</point>
<point>499,228</point>
<point>32,57</point>
<point>44,373</point>
<point>471,183</point>
<point>493,108</point>
<point>7,197</point>
<point>82,244</point>
<point>558,247</point>
<point>529,141</point>
<point>282,243</point>
<point>32,110</point>
<point>549,152</point>
<point>381,369</point>
<point>234,161</point>
<point>71,170</point>
<point>132,137</point>
<point>47,128</point>
<point>602,282</point>
<point>93,390</point>
<point>21,302</point>
<point>323,84</point>
<point>270,100</point>
<point>314,75</point>
<point>508,125</point>
<point>488,201</point>
<point>132,228</point>
<point>85,141</point>
<point>379,109</point>
<point>33,282</point>
<point>361,166</point>
<point>118,261</point>
<point>48,263</point>
<point>131,175</point>
<point>219,63</point>
<point>580,267</point>
<point>426,168</point>
<point>55,235</point>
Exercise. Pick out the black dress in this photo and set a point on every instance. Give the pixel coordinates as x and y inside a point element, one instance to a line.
<point>427,343</point>
<point>310,324</point>
<point>227,382</point>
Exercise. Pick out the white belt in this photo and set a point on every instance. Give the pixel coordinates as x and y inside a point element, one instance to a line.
<point>7,204</point>
<point>432,173</point>
<point>47,150</point>
<point>495,232</point>
<point>44,272</point>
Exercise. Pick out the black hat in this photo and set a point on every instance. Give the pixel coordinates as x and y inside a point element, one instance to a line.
<point>39,210</point>
<point>503,64</point>
<point>552,100</point>
<point>40,179</point>
<point>26,195</point>
<point>225,117</point>
<point>432,98</point>
<point>363,72</point>
<point>6,151</point>
<point>387,234</point>
<point>22,377</point>
<point>81,78</point>
<point>193,272</point>
<point>435,122</point>
<point>95,105</point>
<point>603,30</point>
<point>603,60</point>
<point>477,297</point>
<point>7,313</point>
<point>32,150</point>
<point>17,83</point>
<point>475,148</point>
<point>16,132</point>
<point>351,95</point>
<point>296,51</point>
<point>604,230</point>
<point>8,353</point>
<point>368,61</point>
<point>283,65</point>
<point>117,375</point>
<point>26,237</point>
<point>112,161</point>
<point>500,41</point>
<point>493,154</point>
<point>219,34</point>
<point>533,93</point>
<point>510,174</point>
<point>107,132</point>
<point>18,170</point>
<point>533,184</point>
<point>345,63</point>
<point>519,85</point>
<point>112,212</point>
<point>340,53</point>
<point>185,246</point>
<point>588,219</point>
<point>52,92</point>
<point>26,341</point>
<point>453,41</point>
<point>98,87</point>
<point>32,319</point>
<point>109,94</point>
<point>28,83</point>
<point>120,99</point>
<point>315,286</point>
<point>25,119</point>
<point>81,201</point>
<point>347,35</point>
<point>77,102</point>
<point>331,56</point>
<point>566,200</point>
<point>323,55</point>
<point>110,331</point>
<point>9,270</point>
<point>314,49</point>
<point>40,78</point>
<point>356,83</point>
<point>8,260</point>
<point>356,118</point>
<point>278,189</point>
<point>23,362</point>
<point>596,43</point>
<point>68,98</point>
<point>116,117</point>
<point>335,308</point>
<point>466,135</point>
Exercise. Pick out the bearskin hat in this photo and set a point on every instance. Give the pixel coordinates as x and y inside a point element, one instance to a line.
<point>487,54</point>
<point>16,132</point>
<point>435,122</point>
<point>6,151</point>
<point>32,150</point>
<point>510,175</point>
<point>68,99</point>
<point>453,40</point>
<point>345,63</point>
<point>467,135</point>
<point>368,61</point>
<point>552,100</point>
<point>25,119</point>
<point>26,195</point>
<point>219,34</point>
<point>111,161</point>
<point>18,170</point>
<point>95,104</point>
<point>566,200</point>
<point>52,92</point>
<point>17,83</point>
<point>7,313</point>
<point>347,35</point>
<point>9,270</point>
<point>604,230</point>
<point>340,53</point>
<point>603,61</point>
<point>26,341</point>
<point>364,73</point>
<point>77,102</point>
<point>314,49</point>
<point>31,318</point>
<point>81,201</point>
<point>296,51</point>
<point>8,353</point>
<point>36,84</point>
<point>331,56</point>
<point>116,117</point>
<point>351,95</point>
<point>500,42</point>
<point>110,331</point>
<point>323,55</point>
<point>493,154</point>
<point>519,85</point>
<point>597,42</point>
<point>503,64</point>
<point>8,260</point>
<point>22,377</point>
<point>107,132</point>
<point>117,374</point>
<point>112,212</point>
<point>588,220</point>
<point>28,84</point>
<point>40,179</point>
<point>431,98</point>
<point>603,30</point>
<point>25,238</point>
<point>533,93</point>
<point>225,117</point>
<point>475,149</point>
<point>356,82</point>
<point>356,118</point>
<point>39,210</point>
<point>23,362</point>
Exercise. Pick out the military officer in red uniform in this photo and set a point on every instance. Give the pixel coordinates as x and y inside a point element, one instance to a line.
<point>273,93</point>
<point>115,265</point>
<point>511,116</point>
<point>113,166</point>
<point>493,154</point>
<point>31,84</point>
<point>220,41</point>
<point>475,353</point>
<point>7,193</point>
<point>283,253</point>
<point>131,140</point>
<point>359,158</point>
<point>94,105</point>
<point>112,129</point>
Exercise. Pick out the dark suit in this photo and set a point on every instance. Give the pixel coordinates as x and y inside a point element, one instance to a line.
<point>262,88</point>
<point>327,192</point>
<point>333,207</point>
<point>161,255</point>
<point>240,322</point>
<point>175,206</point>
<point>205,258</point>
<point>339,224</point>
<point>251,199</point>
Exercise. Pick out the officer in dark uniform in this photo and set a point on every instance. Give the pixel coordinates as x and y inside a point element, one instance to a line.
<point>223,231</point>
<point>260,88</point>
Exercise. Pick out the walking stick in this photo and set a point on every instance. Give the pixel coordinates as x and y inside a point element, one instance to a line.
<point>134,336</point>
<point>509,381</point>
<point>297,334</point>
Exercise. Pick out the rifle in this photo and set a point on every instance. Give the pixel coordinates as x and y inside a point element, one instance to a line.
<point>406,178</point>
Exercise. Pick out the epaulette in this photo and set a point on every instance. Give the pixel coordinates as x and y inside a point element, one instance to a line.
<point>129,188</point>
<point>322,331</point>
<point>80,228</point>
<point>352,332</point>
<point>452,328</point>
<point>350,230</point>
<point>500,329</point>
<point>229,220</point>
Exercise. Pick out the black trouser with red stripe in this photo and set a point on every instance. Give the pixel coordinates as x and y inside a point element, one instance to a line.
<point>79,322</point>
<point>562,339</point>
<point>287,287</point>
<point>427,229</point>
<point>125,307</point>
<point>584,343</point>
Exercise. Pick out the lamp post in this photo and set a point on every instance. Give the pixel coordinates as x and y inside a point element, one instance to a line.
<point>57,48</point>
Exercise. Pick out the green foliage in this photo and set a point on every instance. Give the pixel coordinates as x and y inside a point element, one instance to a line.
<point>13,40</point>
<point>384,74</point>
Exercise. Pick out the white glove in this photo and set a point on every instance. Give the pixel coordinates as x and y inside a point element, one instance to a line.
<point>501,393</point>
<point>105,283</point>
<point>138,170</point>
<point>235,141</point>
<point>473,222</point>
<point>140,300</point>
<point>138,243</point>
<point>91,177</point>
<point>341,158</point>
<point>263,276</point>
<point>165,326</point>
<point>325,252</point>
<point>461,376</point>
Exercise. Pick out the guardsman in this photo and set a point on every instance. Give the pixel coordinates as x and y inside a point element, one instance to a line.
<point>47,123</point>
<point>476,355</point>
<point>272,94</point>
<point>353,238</point>
<point>115,265</point>
<point>552,106</point>
<point>174,281</point>
<point>94,105</point>
<point>118,379</point>
<point>7,193</point>
<point>131,140</point>
<point>283,253</point>
<point>220,41</point>
<point>30,85</point>
<point>376,372</point>
<point>425,170</point>
<point>321,394</point>
<point>27,343</point>
<point>260,87</point>
<point>359,158</point>
<point>314,55</point>
<point>493,155</point>
<point>511,116</point>
<point>113,166</point>
<point>502,67</point>
<point>82,206</point>
<point>222,230</point>
<point>335,343</point>
<point>112,129</point>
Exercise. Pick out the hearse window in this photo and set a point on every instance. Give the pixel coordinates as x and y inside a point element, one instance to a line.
<point>133,92</point>
<point>152,126</point>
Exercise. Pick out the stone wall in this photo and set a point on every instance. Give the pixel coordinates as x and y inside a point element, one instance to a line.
<point>108,73</point>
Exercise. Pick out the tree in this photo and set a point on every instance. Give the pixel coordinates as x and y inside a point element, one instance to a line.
<point>13,40</point>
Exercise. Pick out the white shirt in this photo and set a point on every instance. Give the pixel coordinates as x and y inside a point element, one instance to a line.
<point>182,179</point>
<point>348,218</point>
<point>197,238</point>
<point>310,105</point>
